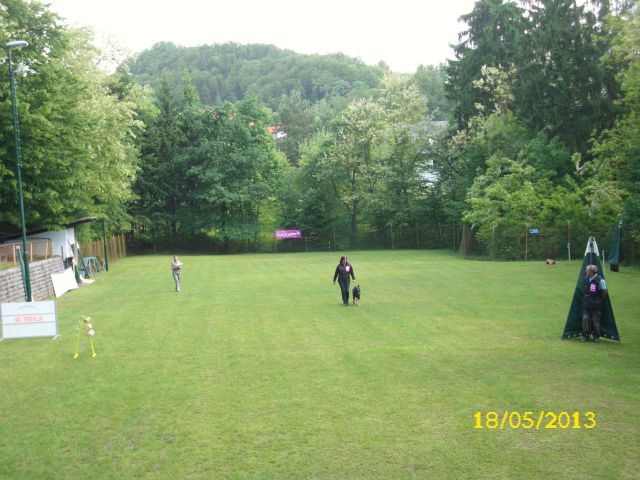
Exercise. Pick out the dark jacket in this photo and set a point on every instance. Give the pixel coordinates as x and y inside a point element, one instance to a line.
<point>592,293</point>
<point>343,271</point>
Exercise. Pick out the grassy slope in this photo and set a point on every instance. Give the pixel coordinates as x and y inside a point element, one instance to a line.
<point>255,370</point>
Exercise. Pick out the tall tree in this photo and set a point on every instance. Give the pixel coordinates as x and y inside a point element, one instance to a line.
<point>79,156</point>
<point>405,133</point>
<point>233,170</point>
<point>190,96</point>
<point>561,87</point>
<point>296,116</point>
<point>495,38</point>
<point>351,160</point>
<point>618,150</point>
<point>431,81</point>
<point>159,184</point>
<point>309,202</point>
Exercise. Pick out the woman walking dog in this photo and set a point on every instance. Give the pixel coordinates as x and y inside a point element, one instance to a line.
<point>344,270</point>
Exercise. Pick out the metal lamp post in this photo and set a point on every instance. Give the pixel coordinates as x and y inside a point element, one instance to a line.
<point>16,130</point>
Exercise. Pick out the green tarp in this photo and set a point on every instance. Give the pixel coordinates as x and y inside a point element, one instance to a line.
<point>573,327</point>
<point>615,251</point>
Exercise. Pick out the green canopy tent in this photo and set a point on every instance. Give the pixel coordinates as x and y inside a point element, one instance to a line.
<point>615,253</point>
<point>573,327</point>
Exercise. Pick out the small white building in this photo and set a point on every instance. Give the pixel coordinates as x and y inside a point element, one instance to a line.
<point>277,132</point>
<point>62,243</point>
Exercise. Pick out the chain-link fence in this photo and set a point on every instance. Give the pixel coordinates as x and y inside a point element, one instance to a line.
<point>435,236</point>
<point>525,242</point>
<point>520,242</point>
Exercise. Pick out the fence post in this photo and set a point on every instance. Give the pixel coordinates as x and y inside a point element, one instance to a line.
<point>104,244</point>
<point>464,243</point>
<point>569,239</point>
<point>83,263</point>
<point>526,242</point>
<point>24,283</point>
<point>493,239</point>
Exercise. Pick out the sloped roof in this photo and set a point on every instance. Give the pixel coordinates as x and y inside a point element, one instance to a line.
<point>41,230</point>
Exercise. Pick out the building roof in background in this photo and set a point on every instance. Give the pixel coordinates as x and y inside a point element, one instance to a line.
<point>42,230</point>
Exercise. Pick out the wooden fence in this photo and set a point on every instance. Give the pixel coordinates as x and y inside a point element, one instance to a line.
<point>117,248</point>
<point>39,249</point>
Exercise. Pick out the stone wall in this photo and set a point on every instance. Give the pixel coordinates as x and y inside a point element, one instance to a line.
<point>12,290</point>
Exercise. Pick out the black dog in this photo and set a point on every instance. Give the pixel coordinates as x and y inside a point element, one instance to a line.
<point>356,295</point>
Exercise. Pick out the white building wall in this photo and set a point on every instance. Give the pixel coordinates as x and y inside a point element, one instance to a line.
<point>62,241</point>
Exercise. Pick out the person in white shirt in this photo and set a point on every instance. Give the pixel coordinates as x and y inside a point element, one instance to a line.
<point>176,267</point>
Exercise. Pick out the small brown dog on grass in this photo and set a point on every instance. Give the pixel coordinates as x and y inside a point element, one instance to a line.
<point>550,261</point>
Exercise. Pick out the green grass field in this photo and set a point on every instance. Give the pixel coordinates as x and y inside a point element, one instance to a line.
<point>256,371</point>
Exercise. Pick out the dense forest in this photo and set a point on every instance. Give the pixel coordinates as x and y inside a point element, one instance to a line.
<point>231,72</point>
<point>533,123</point>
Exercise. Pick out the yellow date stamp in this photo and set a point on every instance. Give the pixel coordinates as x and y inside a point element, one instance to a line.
<point>530,420</point>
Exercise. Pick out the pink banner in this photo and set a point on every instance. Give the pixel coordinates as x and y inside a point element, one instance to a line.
<point>283,234</point>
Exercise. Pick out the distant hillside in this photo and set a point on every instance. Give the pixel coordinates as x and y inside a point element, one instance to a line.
<point>231,71</point>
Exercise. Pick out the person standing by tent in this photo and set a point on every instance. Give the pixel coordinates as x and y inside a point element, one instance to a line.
<point>595,289</point>
<point>344,270</point>
<point>176,267</point>
<point>573,327</point>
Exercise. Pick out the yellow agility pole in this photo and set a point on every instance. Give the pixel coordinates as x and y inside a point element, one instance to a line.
<point>86,321</point>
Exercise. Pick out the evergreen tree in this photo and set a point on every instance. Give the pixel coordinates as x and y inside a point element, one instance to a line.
<point>159,185</point>
<point>494,38</point>
<point>561,89</point>
<point>296,116</point>
<point>190,97</point>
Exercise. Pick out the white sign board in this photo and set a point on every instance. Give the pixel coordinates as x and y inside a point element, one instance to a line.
<point>29,319</point>
<point>63,282</point>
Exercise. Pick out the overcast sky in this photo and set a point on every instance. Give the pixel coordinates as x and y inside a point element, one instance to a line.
<point>402,33</point>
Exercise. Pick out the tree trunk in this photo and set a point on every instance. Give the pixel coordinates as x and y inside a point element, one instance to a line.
<point>354,224</point>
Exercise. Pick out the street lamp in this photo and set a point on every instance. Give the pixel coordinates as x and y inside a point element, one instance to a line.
<point>16,130</point>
